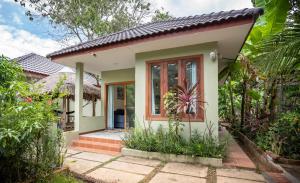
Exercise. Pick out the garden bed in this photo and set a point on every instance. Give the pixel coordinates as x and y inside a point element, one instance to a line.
<point>215,162</point>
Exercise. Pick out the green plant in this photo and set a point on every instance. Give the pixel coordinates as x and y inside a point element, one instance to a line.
<point>283,136</point>
<point>30,143</point>
<point>62,178</point>
<point>166,141</point>
<point>188,101</point>
<point>171,107</point>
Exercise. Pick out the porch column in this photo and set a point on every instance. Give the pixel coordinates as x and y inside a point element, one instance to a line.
<point>78,95</point>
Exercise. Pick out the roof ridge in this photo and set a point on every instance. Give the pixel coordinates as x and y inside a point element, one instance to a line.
<point>23,57</point>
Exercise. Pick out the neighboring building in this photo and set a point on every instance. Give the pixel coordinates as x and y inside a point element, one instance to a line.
<point>37,67</point>
<point>138,65</point>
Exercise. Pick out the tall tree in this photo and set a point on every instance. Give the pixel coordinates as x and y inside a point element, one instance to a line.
<point>161,14</point>
<point>87,19</point>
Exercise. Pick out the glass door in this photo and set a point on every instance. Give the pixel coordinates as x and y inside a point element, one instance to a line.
<point>129,105</point>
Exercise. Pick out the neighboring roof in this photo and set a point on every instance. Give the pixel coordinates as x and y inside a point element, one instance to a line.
<point>38,64</point>
<point>49,83</point>
<point>33,62</point>
<point>163,27</point>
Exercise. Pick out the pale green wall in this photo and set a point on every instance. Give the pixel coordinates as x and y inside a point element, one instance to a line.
<point>88,124</point>
<point>115,76</point>
<point>118,75</point>
<point>210,83</point>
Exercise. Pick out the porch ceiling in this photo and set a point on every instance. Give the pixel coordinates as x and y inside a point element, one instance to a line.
<point>228,38</point>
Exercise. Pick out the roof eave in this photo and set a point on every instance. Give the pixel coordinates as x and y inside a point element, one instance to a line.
<point>213,25</point>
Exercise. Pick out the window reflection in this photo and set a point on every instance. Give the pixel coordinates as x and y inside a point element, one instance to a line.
<point>155,82</point>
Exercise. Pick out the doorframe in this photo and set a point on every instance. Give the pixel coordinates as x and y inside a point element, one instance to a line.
<point>124,83</point>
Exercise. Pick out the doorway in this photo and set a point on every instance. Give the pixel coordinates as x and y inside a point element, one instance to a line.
<point>120,105</point>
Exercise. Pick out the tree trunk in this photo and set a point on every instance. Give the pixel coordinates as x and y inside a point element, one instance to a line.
<point>272,105</point>
<point>231,102</point>
<point>243,104</point>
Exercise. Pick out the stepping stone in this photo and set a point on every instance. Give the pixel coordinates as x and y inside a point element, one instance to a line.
<point>129,167</point>
<point>240,174</point>
<point>72,151</point>
<point>79,165</point>
<point>234,180</point>
<point>186,169</point>
<point>168,177</point>
<point>140,161</point>
<point>109,175</point>
<point>93,156</point>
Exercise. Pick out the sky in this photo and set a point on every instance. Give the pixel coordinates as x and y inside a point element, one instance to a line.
<point>20,36</point>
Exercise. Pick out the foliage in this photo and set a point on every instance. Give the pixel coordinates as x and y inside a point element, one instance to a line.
<point>169,142</point>
<point>87,19</point>
<point>29,145</point>
<point>283,136</point>
<point>161,14</point>
<point>171,105</point>
<point>188,101</point>
<point>263,83</point>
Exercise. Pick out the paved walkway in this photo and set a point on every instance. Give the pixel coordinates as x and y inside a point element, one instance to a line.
<point>126,169</point>
<point>236,156</point>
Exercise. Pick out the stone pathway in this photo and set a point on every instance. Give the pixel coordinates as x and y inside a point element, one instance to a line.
<point>126,169</point>
<point>236,156</point>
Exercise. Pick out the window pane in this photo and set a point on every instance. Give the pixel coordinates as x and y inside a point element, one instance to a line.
<point>191,78</point>
<point>155,85</point>
<point>172,76</point>
<point>191,73</point>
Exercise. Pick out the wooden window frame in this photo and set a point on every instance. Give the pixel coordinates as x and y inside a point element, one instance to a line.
<point>181,62</point>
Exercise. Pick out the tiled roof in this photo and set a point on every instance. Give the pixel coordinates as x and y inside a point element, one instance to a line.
<point>38,64</point>
<point>163,27</point>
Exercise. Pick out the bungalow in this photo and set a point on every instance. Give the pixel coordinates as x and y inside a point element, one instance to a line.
<point>138,65</point>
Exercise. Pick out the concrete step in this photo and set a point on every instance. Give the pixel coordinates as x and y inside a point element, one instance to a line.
<point>103,140</point>
<point>97,145</point>
<point>113,153</point>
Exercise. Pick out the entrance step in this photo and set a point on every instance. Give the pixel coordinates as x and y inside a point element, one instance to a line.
<point>100,145</point>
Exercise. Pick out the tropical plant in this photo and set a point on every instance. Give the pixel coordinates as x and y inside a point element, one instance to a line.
<point>166,141</point>
<point>188,101</point>
<point>30,144</point>
<point>283,136</point>
<point>171,108</point>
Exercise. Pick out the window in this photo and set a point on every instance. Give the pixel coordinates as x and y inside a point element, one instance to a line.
<point>155,89</point>
<point>163,75</point>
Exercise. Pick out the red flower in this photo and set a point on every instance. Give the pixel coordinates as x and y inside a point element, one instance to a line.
<point>28,99</point>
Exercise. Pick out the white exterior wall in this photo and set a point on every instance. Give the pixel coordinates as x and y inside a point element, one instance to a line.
<point>88,109</point>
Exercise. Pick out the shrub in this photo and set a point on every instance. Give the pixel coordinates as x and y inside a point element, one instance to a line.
<point>167,141</point>
<point>30,148</point>
<point>283,136</point>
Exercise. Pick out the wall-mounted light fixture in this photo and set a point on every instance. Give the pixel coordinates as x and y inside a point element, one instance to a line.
<point>93,54</point>
<point>213,56</point>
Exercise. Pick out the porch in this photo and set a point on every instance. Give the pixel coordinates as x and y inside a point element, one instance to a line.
<point>106,142</point>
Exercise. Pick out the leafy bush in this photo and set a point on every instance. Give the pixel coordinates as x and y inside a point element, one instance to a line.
<point>30,145</point>
<point>167,141</point>
<point>283,136</point>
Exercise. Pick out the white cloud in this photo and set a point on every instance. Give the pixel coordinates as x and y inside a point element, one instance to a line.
<point>17,42</point>
<point>16,19</point>
<point>179,8</point>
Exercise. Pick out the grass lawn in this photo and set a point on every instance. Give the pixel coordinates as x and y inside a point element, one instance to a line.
<point>63,178</point>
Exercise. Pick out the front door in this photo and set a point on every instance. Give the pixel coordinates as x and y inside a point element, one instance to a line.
<point>120,105</point>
